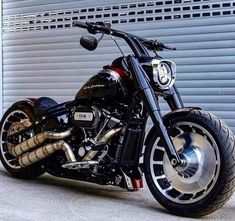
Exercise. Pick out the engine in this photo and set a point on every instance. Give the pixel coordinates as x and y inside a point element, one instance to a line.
<point>95,124</point>
<point>86,117</point>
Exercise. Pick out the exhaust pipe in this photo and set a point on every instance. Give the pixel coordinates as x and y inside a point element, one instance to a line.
<point>104,139</point>
<point>45,151</point>
<point>28,158</point>
<point>38,140</point>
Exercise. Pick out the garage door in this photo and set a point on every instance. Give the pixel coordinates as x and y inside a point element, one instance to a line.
<point>42,56</point>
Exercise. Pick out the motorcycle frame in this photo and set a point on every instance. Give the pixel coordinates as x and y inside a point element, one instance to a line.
<point>146,92</point>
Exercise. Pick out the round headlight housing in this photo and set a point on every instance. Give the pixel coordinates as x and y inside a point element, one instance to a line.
<point>164,73</point>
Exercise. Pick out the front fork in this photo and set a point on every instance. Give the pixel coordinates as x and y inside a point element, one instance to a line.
<point>151,103</point>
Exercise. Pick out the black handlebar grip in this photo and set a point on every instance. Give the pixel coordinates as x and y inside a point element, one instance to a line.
<point>80,24</point>
<point>91,27</point>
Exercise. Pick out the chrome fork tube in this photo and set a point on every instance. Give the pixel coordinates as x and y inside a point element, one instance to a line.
<point>151,103</point>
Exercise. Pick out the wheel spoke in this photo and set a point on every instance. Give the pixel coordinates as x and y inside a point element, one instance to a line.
<point>158,162</point>
<point>6,152</point>
<point>12,160</point>
<point>159,148</point>
<point>160,177</point>
<point>168,189</point>
<point>178,197</point>
<point>180,130</point>
<point>10,122</point>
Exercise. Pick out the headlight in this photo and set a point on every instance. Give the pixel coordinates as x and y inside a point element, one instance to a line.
<point>164,73</point>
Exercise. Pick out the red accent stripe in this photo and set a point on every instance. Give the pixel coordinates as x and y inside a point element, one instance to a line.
<point>32,99</point>
<point>120,71</point>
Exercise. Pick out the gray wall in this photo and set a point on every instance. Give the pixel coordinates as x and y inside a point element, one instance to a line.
<point>42,55</point>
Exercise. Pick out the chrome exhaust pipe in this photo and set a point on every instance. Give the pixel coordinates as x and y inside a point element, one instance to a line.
<point>103,140</point>
<point>38,140</point>
<point>45,151</point>
<point>29,158</point>
<point>106,137</point>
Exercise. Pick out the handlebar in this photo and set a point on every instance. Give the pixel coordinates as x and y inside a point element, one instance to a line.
<point>132,40</point>
<point>92,27</point>
<point>80,24</point>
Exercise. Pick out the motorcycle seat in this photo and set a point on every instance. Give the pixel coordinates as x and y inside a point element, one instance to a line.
<point>42,104</point>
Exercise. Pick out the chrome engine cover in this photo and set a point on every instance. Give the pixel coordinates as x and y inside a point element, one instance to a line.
<point>86,117</point>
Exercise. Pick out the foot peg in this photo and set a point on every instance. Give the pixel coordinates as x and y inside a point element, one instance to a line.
<point>80,165</point>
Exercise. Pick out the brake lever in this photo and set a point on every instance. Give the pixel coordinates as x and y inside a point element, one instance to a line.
<point>154,45</point>
<point>163,46</point>
<point>169,48</point>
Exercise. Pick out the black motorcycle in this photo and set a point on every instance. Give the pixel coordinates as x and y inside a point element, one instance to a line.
<point>188,155</point>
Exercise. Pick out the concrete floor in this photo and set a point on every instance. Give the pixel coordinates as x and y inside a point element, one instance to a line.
<point>52,199</point>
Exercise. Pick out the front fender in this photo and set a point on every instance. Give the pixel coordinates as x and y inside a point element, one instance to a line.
<point>167,118</point>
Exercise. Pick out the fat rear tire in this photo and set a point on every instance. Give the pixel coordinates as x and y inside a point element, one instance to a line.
<point>32,171</point>
<point>224,185</point>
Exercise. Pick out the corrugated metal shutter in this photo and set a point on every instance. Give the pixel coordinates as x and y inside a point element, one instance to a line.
<point>42,56</point>
<point>1,61</point>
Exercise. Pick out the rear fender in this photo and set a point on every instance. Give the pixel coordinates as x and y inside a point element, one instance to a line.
<point>28,102</point>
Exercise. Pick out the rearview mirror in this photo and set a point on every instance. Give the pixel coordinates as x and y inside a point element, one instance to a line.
<point>89,42</point>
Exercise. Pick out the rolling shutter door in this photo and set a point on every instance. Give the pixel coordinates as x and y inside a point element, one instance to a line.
<point>42,55</point>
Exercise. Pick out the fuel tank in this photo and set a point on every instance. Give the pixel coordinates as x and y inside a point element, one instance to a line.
<point>109,85</point>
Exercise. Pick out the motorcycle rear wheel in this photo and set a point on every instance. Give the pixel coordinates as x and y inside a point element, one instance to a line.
<point>12,121</point>
<point>207,179</point>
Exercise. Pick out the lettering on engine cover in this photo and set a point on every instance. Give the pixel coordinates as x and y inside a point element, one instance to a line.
<point>83,116</point>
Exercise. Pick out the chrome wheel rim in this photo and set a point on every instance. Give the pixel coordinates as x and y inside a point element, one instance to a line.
<point>16,117</point>
<point>195,179</point>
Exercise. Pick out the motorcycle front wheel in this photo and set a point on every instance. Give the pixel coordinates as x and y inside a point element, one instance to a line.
<point>206,179</point>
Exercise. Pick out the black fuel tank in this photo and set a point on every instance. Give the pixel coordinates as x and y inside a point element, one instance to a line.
<point>108,85</point>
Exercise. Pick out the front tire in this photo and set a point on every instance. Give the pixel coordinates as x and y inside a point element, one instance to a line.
<point>207,179</point>
<point>16,118</point>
